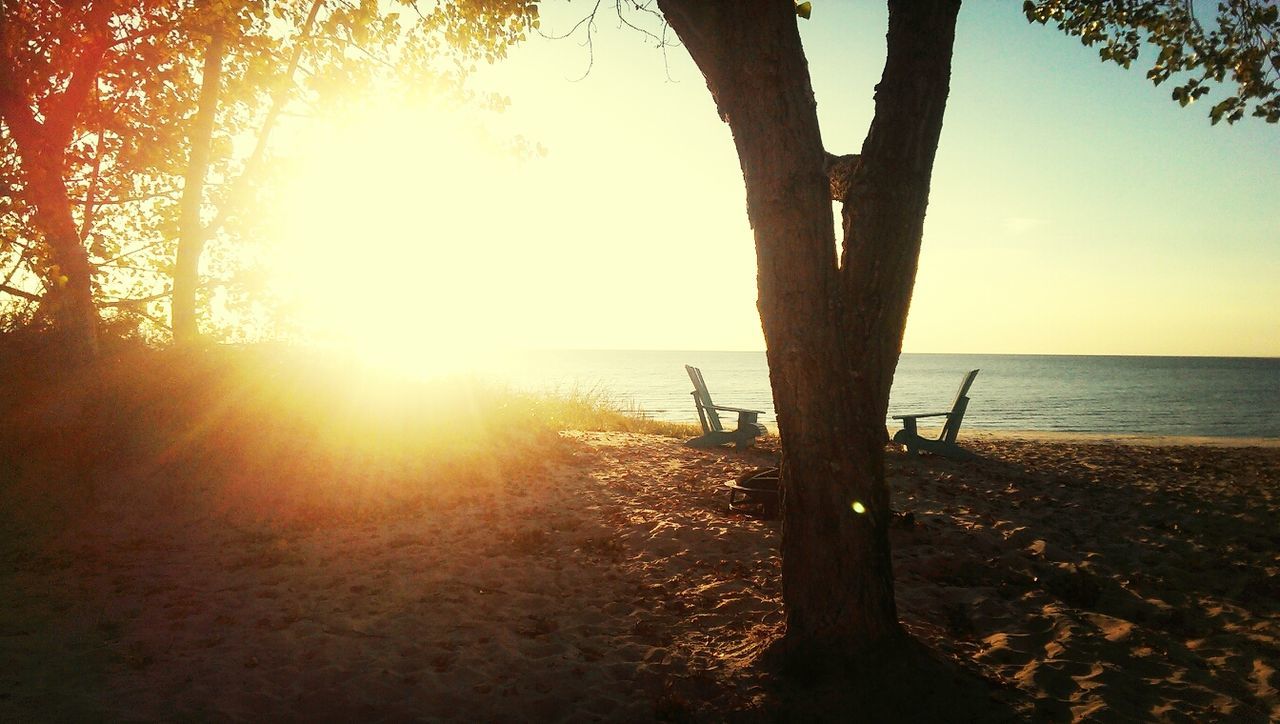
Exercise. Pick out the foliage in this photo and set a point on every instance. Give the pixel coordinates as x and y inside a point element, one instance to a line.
<point>127,145</point>
<point>1241,46</point>
<point>338,55</point>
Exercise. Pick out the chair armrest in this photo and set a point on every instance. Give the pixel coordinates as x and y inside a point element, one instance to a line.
<point>737,409</point>
<point>925,414</point>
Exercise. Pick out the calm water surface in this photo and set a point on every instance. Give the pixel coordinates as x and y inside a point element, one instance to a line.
<point>1209,396</point>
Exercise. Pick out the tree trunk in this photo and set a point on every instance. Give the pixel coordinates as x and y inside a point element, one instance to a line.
<point>833,335</point>
<point>69,287</point>
<point>192,232</point>
<point>884,206</point>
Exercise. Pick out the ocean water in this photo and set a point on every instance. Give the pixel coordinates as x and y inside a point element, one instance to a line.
<point>1200,396</point>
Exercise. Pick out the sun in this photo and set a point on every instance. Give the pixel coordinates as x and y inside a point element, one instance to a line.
<point>387,240</point>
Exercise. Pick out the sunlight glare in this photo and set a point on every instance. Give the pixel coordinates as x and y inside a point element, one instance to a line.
<point>387,233</point>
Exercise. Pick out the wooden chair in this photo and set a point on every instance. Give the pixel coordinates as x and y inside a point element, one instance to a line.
<point>909,436</point>
<point>713,432</point>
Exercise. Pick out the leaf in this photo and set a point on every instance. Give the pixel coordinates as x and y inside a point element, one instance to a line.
<point>804,10</point>
<point>1215,113</point>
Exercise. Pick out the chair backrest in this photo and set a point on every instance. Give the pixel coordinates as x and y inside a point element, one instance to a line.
<point>702,399</point>
<point>952,427</point>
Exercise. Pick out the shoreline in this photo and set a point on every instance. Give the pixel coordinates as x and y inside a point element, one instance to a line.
<point>1109,438</point>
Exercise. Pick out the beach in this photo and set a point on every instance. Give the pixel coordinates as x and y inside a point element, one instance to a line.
<point>1080,579</point>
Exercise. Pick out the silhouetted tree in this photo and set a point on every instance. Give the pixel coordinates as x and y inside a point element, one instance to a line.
<point>833,325</point>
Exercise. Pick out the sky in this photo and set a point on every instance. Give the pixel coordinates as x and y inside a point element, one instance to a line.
<point>1075,209</point>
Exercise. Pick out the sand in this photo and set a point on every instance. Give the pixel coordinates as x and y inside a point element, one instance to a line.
<point>1083,580</point>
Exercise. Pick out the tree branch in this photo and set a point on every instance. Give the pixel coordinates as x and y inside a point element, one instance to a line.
<point>90,197</point>
<point>20,293</point>
<point>129,304</point>
<point>60,117</point>
<point>169,194</point>
<point>17,114</point>
<point>22,259</point>
<point>589,22</point>
<point>142,313</point>
<point>160,30</point>
<point>144,247</point>
<point>278,99</point>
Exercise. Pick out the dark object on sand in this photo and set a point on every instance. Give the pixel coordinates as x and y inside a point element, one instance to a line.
<point>909,437</point>
<point>755,493</point>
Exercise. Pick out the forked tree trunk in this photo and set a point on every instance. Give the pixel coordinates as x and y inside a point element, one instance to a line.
<point>192,233</point>
<point>833,333</point>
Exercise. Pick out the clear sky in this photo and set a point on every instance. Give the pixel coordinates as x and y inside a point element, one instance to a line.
<point>1075,209</point>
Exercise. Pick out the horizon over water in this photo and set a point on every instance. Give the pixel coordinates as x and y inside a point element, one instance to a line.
<point>1145,395</point>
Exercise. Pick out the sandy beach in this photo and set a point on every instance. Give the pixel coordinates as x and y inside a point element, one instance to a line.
<point>1082,579</point>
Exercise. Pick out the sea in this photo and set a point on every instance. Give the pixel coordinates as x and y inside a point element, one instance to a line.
<point>1188,396</point>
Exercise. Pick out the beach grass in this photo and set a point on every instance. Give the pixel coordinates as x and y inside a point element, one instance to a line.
<point>597,410</point>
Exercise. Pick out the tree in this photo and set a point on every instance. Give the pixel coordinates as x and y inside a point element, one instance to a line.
<point>88,169</point>
<point>250,24</point>
<point>1242,44</point>
<point>347,46</point>
<point>833,326</point>
<point>192,233</point>
<point>48,71</point>
<point>119,121</point>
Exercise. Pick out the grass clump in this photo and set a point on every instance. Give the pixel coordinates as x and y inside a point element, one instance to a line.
<point>597,410</point>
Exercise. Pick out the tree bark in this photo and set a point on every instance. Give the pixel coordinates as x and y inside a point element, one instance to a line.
<point>884,206</point>
<point>192,232</point>
<point>832,333</point>
<point>69,282</point>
